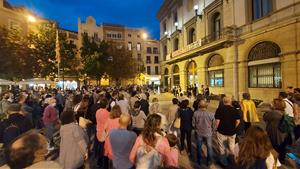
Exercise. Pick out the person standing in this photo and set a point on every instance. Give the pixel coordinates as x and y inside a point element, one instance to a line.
<point>185,114</point>
<point>122,141</point>
<point>172,112</point>
<point>203,121</point>
<point>249,111</point>
<point>227,120</point>
<point>74,142</point>
<point>123,103</point>
<point>138,118</point>
<point>51,120</point>
<point>207,93</point>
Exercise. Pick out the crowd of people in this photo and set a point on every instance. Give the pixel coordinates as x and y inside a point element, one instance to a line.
<point>121,128</point>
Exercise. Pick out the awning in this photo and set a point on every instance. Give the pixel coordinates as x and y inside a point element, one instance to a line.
<point>35,81</point>
<point>6,82</point>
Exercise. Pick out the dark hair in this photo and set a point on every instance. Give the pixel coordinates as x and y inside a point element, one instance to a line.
<point>184,104</point>
<point>115,112</point>
<point>152,126</point>
<point>246,96</point>
<point>283,94</point>
<point>67,117</point>
<point>103,103</point>
<point>175,101</point>
<point>76,99</point>
<point>24,155</point>
<point>172,139</point>
<point>297,90</point>
<point>290,87</point>
<point>137,104</point>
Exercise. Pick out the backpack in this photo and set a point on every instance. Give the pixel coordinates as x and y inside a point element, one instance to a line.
<point>147,157</point>
<point>286,124</point>
<point>10,133</point>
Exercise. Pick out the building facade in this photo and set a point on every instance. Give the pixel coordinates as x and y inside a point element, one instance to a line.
<point>233,46</point>
<point>133,39</point>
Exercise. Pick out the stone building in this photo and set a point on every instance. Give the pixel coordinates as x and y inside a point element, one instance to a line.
<point>233,46</point>
<point>133,39</point>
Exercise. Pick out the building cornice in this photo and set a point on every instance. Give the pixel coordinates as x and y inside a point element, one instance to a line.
<point>166,8</point>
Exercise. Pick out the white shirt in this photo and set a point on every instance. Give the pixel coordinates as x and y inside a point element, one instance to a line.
<point>124,105</point>
<point>289,107</point>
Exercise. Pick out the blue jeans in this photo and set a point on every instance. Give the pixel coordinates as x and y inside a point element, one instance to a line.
<point>208,143</point>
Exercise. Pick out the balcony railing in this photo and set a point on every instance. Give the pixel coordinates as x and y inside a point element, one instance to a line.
<point>189,47</point>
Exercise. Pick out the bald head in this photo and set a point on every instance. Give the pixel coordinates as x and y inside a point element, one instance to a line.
<point>227,100</point>
<point>124,120</point>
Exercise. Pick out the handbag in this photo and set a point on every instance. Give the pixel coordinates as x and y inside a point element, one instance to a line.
<point>286,124</point>
<point>83,122</point>
<point>176,123</point>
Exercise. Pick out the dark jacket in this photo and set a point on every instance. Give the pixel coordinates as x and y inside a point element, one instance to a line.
<point>145,106</point>
<point>186,118</point>
<point>15,125</point>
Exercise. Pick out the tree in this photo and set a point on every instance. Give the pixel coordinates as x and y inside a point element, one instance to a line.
<point>15,55</point>
<point>69,62</point>
<point>122,65</point>
<point>94,57</point>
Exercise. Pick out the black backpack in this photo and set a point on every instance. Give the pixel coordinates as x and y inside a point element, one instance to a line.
<point>10,133</point>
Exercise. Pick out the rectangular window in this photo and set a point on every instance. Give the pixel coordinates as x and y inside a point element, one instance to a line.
<point>129,35</point>
<point>175,17</point>
<point>156,60</point>
<point>129,46</point>
<point>164,26</point>
<point>265,76</point>
<point>261,8</point>
<point>119,36</point>
<point>148,70</point>
<point>149,50</point>
<point>148,59</point>
<point>156,70</point>
<point>155,51</point>
<point>216,78</point>
<point>138,47</point>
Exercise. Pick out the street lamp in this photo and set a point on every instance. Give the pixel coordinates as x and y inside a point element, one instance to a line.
<point>176,26</point>
<point>196,8</point>
<point>31,19</point>
<point>145,36</point>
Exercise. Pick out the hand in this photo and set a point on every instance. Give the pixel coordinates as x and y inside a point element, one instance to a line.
<point>86,156</point>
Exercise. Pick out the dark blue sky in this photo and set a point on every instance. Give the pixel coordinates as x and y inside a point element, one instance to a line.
<point>132,13</point>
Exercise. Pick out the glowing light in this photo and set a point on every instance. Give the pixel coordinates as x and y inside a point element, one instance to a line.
<point>145,35</point>
<point>31,18</point>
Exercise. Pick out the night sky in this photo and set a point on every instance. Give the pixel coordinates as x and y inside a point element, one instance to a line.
<point>132,13</point>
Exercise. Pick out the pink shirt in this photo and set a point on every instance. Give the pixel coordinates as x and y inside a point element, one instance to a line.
<point>163,148</point>
<point>50,115</point>
<point>172,158</point>
<point>111,124</point>
<point>102,115</point>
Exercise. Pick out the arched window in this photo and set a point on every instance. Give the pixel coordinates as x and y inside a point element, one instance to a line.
<point>175,44</point>
<point>216,71</point>
<point>264,66</point>
<point>261,8</point>
<point>191,36</point>
<point>176,77</point>
<point>216,26</point>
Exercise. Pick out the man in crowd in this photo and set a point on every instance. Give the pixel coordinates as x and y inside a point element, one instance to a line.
<point>227,119</point>
<point>203,124</point>
<point>4,103</point>
<point>15,125</point>
<point>288,104</point>
<point>122,141</point>
<point>29,151</point>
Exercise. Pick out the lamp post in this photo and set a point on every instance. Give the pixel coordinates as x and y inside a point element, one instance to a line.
<point>196,8</point>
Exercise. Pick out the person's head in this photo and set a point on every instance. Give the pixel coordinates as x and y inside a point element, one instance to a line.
<point>297,97</point>
<point>297,90</point>
<point>203,104</point>
<point>152,126</point>
<point>27,149</point>
<point>246,96</point>
<point>76,99</point>
<point>255,145</point>
<point>124,120</point>
<point>103,103</point>
<point>200,97</point>
<point>227,101</point>
<point>115,112</point>
<point>283,95</point>
<point>137,105</point>
<point>181,94</point>
<point>13,108</point>
<point>175,101</point>
<point>289,89</point>
<point>5,95</point>
<point>22,98</point>
<point>121,96</point>
<point>67,117</point>
<point>172,139</point>
<point>184,104</point>
<point>114,95</point>
<point>279,104</point>
<point>52,102</point>
<point>154,100</point>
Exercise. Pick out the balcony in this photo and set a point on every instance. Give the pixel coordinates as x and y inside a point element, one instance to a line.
<point>189,47</point>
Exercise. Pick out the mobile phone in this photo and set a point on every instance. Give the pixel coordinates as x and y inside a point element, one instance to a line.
<point>293,157</point>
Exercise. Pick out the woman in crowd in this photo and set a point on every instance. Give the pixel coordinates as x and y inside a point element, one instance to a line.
<point>185,114</point>
<point>112,123</point>
<point>256,151</point>
<point>81,108</point>
<point>297,115</point>
<point>50,119</point>
<point>155,106</point>
<point>73,143</point>
<point>138,118</point>
<point>249,111</point>
<point>272,119</point>
<point>151,148</point>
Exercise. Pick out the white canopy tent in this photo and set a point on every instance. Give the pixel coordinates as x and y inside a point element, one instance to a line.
<point>6,82</point>
<point>34,81</point>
